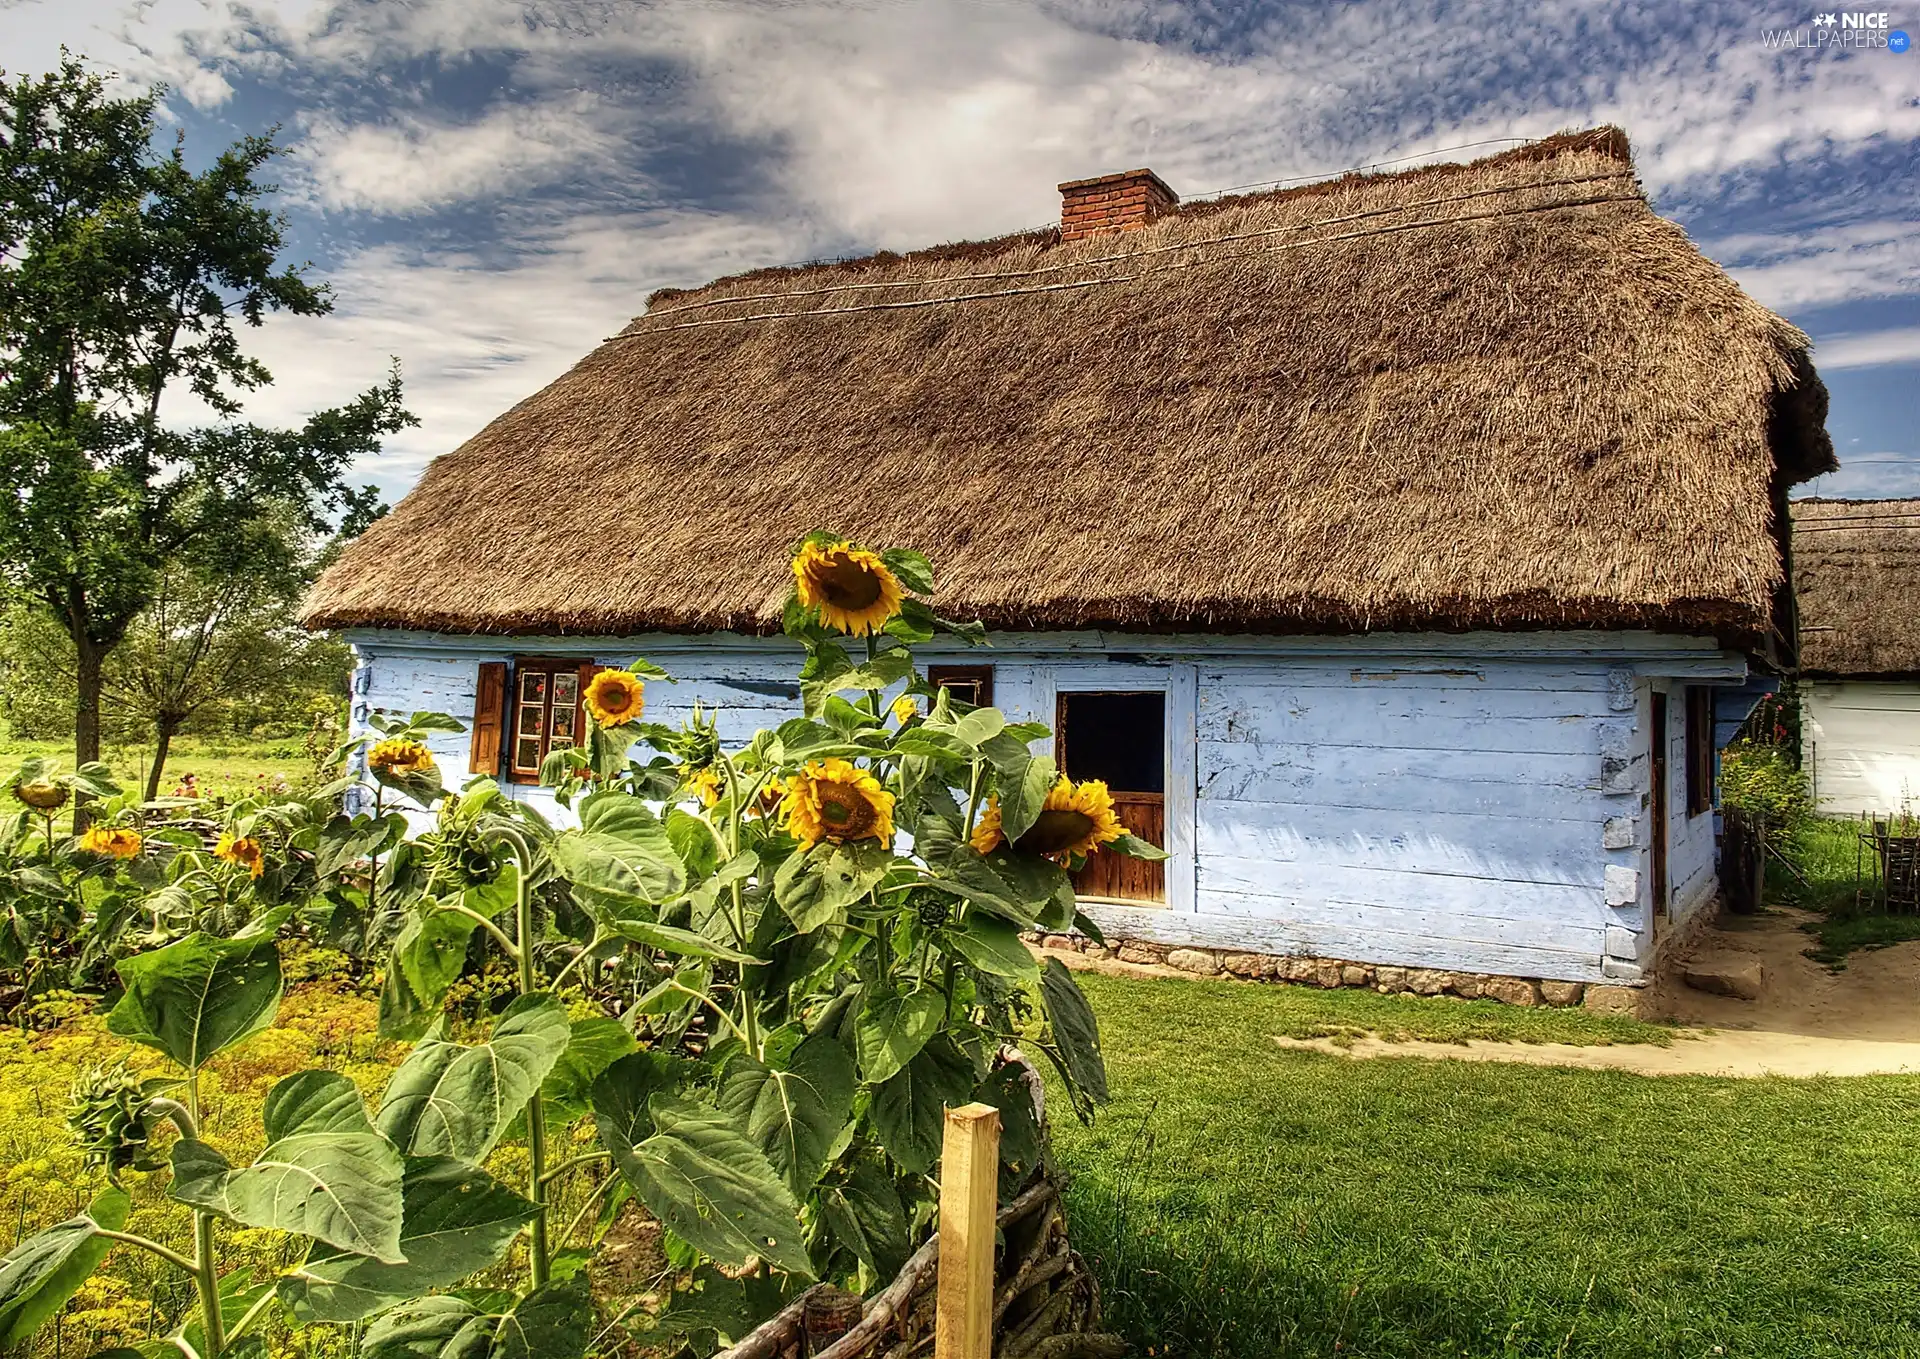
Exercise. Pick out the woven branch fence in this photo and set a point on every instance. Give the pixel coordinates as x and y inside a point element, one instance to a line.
<point>1046,1304</point>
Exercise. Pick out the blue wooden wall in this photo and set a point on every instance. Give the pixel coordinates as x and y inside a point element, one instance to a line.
<point>1473,802</point>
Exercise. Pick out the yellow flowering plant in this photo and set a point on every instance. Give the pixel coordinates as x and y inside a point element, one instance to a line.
<point>741,990</point>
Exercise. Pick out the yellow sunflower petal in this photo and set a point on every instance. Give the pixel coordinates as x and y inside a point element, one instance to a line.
<point>850,588</point>
<point>834,801</point>
<point>615,697</point>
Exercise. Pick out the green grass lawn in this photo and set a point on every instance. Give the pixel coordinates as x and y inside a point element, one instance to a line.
<point>1242,1199</point>
<point>1835,873</point>
<point>228,767</point>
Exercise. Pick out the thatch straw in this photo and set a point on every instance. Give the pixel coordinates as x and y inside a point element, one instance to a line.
<point>1856,570</point>
<point>1499,394</point>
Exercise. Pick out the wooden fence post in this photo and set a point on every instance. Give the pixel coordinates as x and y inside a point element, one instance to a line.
<point>969,1196</point>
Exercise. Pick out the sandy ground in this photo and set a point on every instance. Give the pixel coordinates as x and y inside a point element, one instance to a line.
<point>1808,1021</point>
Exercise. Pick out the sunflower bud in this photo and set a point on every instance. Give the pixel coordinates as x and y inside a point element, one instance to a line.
<point>107,1114</point>
<point>44,797</point>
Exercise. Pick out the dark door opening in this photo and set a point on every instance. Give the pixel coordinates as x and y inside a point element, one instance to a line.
<point>1658,773</point>
<point>1120,739</point>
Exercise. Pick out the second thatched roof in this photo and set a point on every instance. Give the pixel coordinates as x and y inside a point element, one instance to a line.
<point>1496,394</point>
<point>1856,571</point>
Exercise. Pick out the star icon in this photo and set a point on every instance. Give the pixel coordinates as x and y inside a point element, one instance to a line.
<point>1826,20</point>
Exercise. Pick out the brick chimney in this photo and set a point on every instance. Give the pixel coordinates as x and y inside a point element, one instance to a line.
<point>1110,203</point>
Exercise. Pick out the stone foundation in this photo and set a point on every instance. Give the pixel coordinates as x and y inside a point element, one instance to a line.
<point>1331,973</point>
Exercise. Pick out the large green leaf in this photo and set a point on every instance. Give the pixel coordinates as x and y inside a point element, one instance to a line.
<point>893,1026</point>
<point>554,1323</point>
<point>815,886</point>
<point>1023,782</point>
<point>41,1273</point>
<point>427,959</point>
<point>700,1175</point>
<point>1075,1032</point>
<point>713,1304</point>
<point>620,1094</point>
<point>864,1213</point>
<point>448,1099</point>
<point>201,994</point>
<point>672,939</point>
<point>344,841</point>
<point>593,1045</point>
<point>795,1112</point>
<point>325,1172</point>
<point>621,855</point>
<point>909,1110</point>
<point>457,1220</point>
<point>994,945</point>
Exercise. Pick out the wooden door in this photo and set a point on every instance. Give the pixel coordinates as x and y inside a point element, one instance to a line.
<point>1120,738</point>
<point>1117,875</point>
<point>1658,773</point>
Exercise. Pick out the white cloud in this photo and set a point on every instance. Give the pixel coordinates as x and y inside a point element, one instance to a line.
<point>413,163</point>
<point>1822,266</point>
<point>475,338</point>
<point>1874,476</point>
<point>1868,349</point>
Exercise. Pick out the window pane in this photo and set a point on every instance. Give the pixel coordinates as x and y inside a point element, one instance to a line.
<point>565,688</point>
<point>1118,738</point>
<point>530,719</point>
<point>526,754</point>
<point>562,725</point>
<point>533,686</point>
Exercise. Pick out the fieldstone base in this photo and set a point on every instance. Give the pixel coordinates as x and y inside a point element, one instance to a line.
<point>1338,972</point>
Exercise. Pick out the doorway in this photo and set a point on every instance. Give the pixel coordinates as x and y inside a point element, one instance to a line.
<point>1658,767</point>
<point>1120,738</point>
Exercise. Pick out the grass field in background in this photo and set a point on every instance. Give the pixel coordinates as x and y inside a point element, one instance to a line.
<point>1241,1199</point>
<point>1835,873</point>
<point>229,768</point>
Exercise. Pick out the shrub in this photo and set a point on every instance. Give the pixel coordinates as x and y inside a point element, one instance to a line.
<point>1764,781</point>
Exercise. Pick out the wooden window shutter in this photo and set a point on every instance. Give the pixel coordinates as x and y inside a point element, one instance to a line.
<point>489,718</point>
<point>587,671</point>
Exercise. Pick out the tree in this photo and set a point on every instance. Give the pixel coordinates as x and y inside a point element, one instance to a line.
<point>124,275</point>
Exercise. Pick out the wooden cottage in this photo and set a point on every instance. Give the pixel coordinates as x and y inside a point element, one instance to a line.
<point>1384,541</point>
<point>1856,570</point>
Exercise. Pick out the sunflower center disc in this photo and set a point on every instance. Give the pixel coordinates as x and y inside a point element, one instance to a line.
<point>848,814</point>
<point>1055,830</point>
<point>849,586</point>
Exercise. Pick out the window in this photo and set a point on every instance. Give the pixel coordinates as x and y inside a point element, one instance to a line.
<point>1119,739</point>
<point>545,713</point>
<point>1700,749</point>
<point>967,683</point>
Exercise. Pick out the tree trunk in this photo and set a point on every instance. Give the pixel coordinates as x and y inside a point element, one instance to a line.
<point>86,714</point>
<point>86,705</point>
<point>164,728</point>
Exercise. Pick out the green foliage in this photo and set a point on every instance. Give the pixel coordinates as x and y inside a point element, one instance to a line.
<point>1766,781</point>
<point>128,274</point>
<point>800,994</point>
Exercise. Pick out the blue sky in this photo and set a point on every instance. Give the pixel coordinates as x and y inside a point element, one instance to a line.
<point>491,187</point>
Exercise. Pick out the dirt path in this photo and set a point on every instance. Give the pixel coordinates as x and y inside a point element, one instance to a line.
<point>1808,1021</point>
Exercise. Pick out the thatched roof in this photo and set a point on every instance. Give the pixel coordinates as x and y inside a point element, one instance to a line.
<point>1497,394</point>
<point>1856,570</point>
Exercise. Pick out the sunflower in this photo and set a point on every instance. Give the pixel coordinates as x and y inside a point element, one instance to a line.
<point>1076,820</point>
<point>615,697</point>
<point>849,587</point>
<point>110,843</point>
<point>904,710</point>
<point>401,756</point>
<point>243,850</point>
<point>707,783</point>
<point>42,797</point>
<point>771,795</point>
<point>832,800</point>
